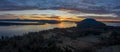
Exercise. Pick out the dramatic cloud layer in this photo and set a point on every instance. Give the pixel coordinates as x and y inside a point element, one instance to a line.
<point>55,13</point>
<point>108,5</point>
<point>85,8</point>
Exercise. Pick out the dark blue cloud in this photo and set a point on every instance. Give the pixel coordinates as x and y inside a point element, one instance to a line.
<point>84,5</point>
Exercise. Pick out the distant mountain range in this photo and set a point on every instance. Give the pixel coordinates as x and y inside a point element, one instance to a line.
<point>109,6</point>
<point>27,22</point>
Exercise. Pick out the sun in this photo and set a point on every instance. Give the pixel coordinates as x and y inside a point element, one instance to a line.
<point>61,19</point>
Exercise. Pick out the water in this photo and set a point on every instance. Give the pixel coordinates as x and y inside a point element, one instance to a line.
<point>113,24</point>
<point>21,29</point>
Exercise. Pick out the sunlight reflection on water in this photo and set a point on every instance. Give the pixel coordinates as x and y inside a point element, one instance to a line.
<point>21,29</point>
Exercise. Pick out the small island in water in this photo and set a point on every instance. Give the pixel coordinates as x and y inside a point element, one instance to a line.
<point>89,36</point>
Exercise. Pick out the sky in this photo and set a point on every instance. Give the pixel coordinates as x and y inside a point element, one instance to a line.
<point>63,9</point>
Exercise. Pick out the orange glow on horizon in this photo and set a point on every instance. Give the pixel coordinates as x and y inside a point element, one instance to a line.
<point>59,18</point>
<point>64,18</point>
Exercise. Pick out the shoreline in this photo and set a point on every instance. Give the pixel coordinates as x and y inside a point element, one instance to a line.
<point>62,38</point>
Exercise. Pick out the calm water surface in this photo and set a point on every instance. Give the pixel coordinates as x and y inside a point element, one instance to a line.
<point>113,24</point>
<point>21,29</point>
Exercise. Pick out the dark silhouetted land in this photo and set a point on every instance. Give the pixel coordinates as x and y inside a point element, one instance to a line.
<point>75,39</point>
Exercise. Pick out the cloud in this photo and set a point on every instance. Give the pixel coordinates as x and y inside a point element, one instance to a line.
<point>53,4</point>
<point>96,15</point>
<point>85,14</point>
<point>86,6</point>
<point>65,13</point>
